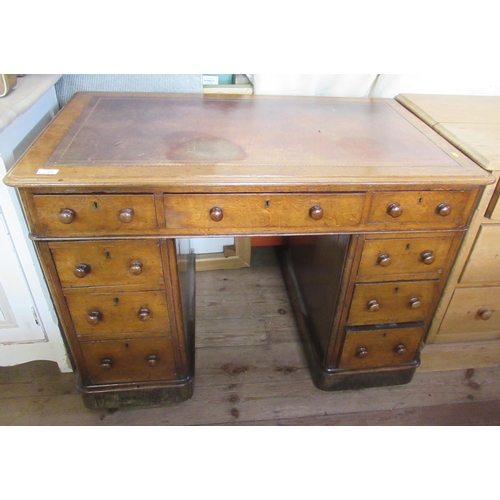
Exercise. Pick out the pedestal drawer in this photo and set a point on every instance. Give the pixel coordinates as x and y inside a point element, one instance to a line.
<point>130,360</point>
<point>380,347</point>
<point>91,215</point>
<point>387,258</point>
<point>392,302</point>
<point>118,313</point>
<point>473,310</point>
<point>104,263</point>
<point>272,212</point>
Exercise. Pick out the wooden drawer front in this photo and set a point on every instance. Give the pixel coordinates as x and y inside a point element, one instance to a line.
<point>388,258</point>
<point>101,263</point>
<point>129,360</point>
<point>393,302</point>
<point>375,348</point>
<point>118,313</point>
<point>493,210</point>
<point>220,213</point>
<point>473,310</point>
<point>443,209</point>
<point>483,265</point>
<point>94,214</point>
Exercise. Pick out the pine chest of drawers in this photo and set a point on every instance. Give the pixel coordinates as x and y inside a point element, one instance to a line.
<point>375,205</point>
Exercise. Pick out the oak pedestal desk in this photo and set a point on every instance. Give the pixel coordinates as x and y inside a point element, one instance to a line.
<point>374,202</point>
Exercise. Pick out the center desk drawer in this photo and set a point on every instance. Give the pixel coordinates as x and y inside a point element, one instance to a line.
<point>99,314</point>
<point>110,262</point>
<point>263,212</point>
<point>392,302</point>
<point>91,215</point>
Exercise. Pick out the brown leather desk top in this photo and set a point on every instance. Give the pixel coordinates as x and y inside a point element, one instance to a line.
<point>185,142</point>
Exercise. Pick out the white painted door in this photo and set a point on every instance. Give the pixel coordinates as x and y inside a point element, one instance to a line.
<point>18,315</point>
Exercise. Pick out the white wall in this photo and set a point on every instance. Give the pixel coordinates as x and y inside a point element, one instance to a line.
<point>371,85</point>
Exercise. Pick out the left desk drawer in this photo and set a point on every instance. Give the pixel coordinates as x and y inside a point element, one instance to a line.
<point>91,215</point>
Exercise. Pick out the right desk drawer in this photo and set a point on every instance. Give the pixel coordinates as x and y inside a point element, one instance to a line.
<point>442,209</point>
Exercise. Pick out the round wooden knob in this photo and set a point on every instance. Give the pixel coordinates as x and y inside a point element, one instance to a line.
<point>81,270</point>
<point>394,210</point>
<point>152,360</point>
<point>216,214</point>
<point>443,209</point>
<point>427,257</point>
<point>484,313</point>
<point>126,215</point>
<point>373,305</point>
<point>144,314</point>
<point>400,349</point>
<point>135,267</point>
<point>67,216</point>
<point>106,363</point>
<point>415,303</point>
<point>316,212</point>
<point>384,260</point>
<point>362,352</point>
<point>94,317</point>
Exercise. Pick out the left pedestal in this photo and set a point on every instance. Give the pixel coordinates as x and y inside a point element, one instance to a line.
<point>127,309</point>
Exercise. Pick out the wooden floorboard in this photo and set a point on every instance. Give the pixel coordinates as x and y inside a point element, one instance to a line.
<point>250,370</point>
<point>484,413</point>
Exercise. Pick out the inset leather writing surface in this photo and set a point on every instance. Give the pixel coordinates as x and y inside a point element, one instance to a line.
<point>141,130</point>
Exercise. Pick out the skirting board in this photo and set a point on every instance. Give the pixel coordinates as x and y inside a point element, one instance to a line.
<point>235,257</point>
